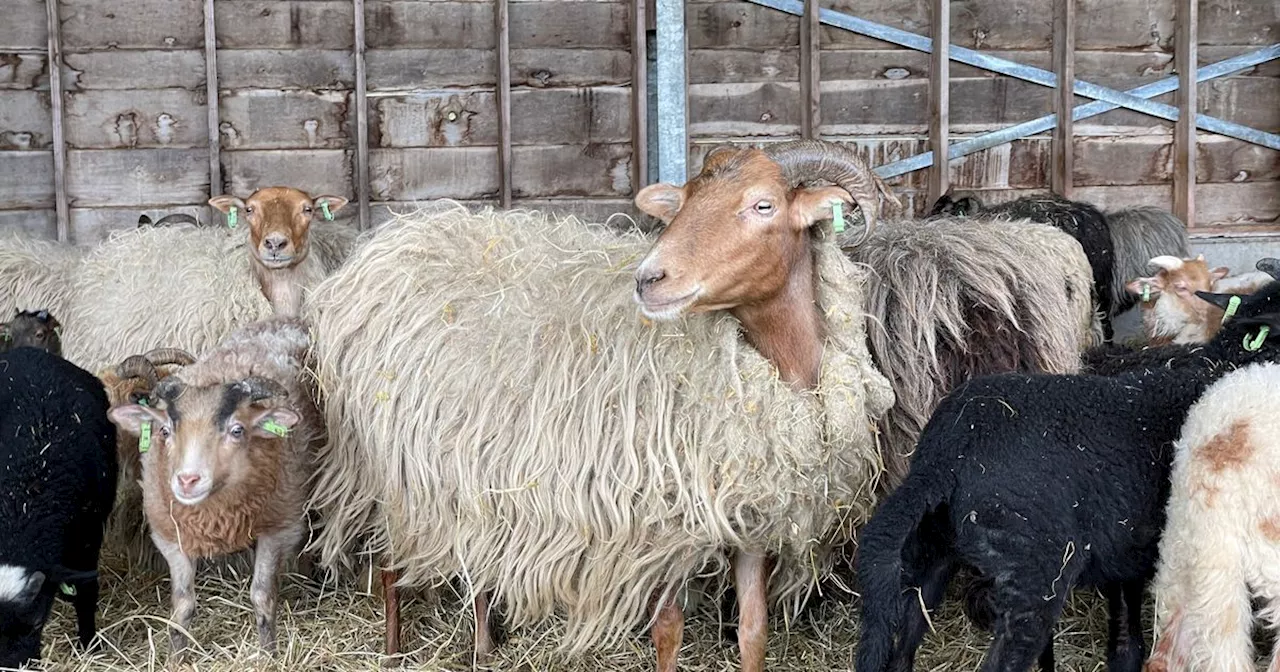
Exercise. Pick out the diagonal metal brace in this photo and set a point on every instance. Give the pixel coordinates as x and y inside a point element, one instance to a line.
<point>1042,124</point>
<point>1024,72</point>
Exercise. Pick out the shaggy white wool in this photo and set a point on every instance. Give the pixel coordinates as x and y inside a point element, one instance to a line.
<point>499,410</point>
<point>1221,545</point>
<point>35,275</point>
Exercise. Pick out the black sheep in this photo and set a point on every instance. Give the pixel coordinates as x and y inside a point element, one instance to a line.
<point>1080,220</point>
<point>34,328</point>
<point>56,490</point>
<point>1039,484</point>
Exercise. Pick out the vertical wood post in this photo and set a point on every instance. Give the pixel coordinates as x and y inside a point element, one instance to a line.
<point>639,97</point>
<point>1184,131</point>
<point>940,99</point>
<point>673,95</point>
<point>1064,64</point>
<point>810,70</point>
<point>59,140</point>
<point>362,120</point>
<point>503,26</point>
<point>211,99</point>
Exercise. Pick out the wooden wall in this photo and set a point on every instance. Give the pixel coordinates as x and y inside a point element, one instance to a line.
<point>135,108</point>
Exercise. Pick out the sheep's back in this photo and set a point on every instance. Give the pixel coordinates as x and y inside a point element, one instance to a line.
<point>35,275</point>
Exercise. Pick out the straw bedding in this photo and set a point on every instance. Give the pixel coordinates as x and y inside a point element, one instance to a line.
<point>498,410</point>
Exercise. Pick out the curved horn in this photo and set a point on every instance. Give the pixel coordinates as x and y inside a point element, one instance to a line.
<point>804,160</point>
<point>168,356</point>
<point>258,388</point>
<point>137,366</point>
<point>1270,266</point>
<point>1166,262</point>
<point>169,389</point>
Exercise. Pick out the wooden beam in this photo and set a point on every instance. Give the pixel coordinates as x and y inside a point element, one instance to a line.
<point>672,92</point>
<point>1184,131</point>
<point>362,120</point>
<point>503,27</point>
<point>639,96</point>
<point>211,98</point>
<point>1064,63</point>
<point>810,70</point>
<point>59,139</point>
<point>940,98</point>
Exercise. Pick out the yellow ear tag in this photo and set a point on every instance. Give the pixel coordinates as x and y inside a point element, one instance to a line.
<point>275,428</point>
<point>144,437</point>
<point>837,216</point>
<point>233,217</point>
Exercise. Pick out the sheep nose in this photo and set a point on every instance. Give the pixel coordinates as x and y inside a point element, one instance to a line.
<point>647,277</point>
<point>275,243</point>
<point>188,481</point>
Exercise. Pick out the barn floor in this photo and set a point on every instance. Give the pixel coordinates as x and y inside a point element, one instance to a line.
<point>322,628</point>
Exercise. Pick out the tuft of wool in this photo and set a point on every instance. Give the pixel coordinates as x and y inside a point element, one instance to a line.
<point>35,275</point>
<point>498,409</point>
<point>954,298</point>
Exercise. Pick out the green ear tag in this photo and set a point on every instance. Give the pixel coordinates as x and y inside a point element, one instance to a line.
<point>837,216</point>
<point>324,208</point>
<point>67,589</point>
<point>233,217</point>
<point>1256,344</point>
<point>275,428</point>
<point>1232,305</point>
<point>1146,292</point>
<point>144,437</point>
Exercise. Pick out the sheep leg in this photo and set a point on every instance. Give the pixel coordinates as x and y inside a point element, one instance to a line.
<point>391,609</point>
<point>1125,647</point>
<point>751,578</point>
<point>668,633</point>
<point>86,603</point>
<point>1219,616</point>
<point>268,554</point>
<point>484,646</point>
<point>932,582</point>
<point>1026,619</point>
<point>182,581</point>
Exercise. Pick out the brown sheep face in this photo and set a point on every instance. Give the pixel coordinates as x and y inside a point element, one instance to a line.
<point>734,233</point>
<point>279,222</point>
<point>210,436</point>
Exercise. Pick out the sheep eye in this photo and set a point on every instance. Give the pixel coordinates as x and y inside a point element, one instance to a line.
<point>248,209</point>
<point>764,207</point>
<point>237,431</point>
<point>40,333</point>
<point>306,209</point>
<point>164,431</point>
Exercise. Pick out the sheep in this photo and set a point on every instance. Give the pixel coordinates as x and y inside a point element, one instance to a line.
<point>509,373</point>
<point>229,462</point>
<point>1171,313</point>
<point>1220,542</point>
<point>1042,483</point>
<point>176,219</point>
<point>281,223</point>
<point>35,274</point>
<point>56,490</point>
<point>133,381</point>
<point>36,329</point>
<point>1138,234</point>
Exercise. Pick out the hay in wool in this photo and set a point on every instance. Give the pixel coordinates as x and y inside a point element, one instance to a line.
<point>950,299</point>
<point>499,410</point>
<point>35,275</point>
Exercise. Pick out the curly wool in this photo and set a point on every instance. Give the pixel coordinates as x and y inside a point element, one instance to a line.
<point>35,275</point>
<point>498,409</point>
<point>953,298</point>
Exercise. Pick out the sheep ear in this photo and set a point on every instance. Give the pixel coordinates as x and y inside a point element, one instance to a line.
<point>1219,300</point>
<point>1152,286</point>
<point>226,202</point>
<point>661,201</point>
<point>815,205</point>
<point>335,203</point>
<point>130,417</point>
<point>1220,272</point>
<point>275,423</point>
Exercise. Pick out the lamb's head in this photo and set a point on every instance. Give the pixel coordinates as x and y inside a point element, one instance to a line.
<point>279,222</point>
<point>33,329</point>
<point>735,232</point>
<point>26,598</point>
<point>1171,313</point>
<point>1252,322</point>
<point>213,438</point>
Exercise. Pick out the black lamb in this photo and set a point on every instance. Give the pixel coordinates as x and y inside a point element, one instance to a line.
<point>56,490</point>
<point>1039,484</point>
<point>32,328</point>
<point>1080,220</point>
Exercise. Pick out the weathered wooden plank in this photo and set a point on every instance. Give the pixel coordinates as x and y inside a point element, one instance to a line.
<point>26,179</point>
<point>137,24</point>
<point>939,97</point>
<point>135,70</point>
<point>285,69</point>
<point>1252,101</point>
<point>284,24</point>
<point>1064,60</point>
<point>59,144</point>
<point>24,26</point>
<point>466,172</point>
<point>469,25</point>
<point>405,69</point>
<point>362,182</point>
<point>639,96</point>
<point>35,223</point>
<point>212,121</point>
<point>118,177</point>
<point>542,116</point>
<point>22,71</point>
<point>25,120</point>
<point>502,95</point>
<point>269,119</point>
<point>1184,130</point>
<point>1252,23</point>
<point>1149,160</point>
<point>108,119</point>
<point>90,226</point>
<point>810,70</point>
<point>315,171</point>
